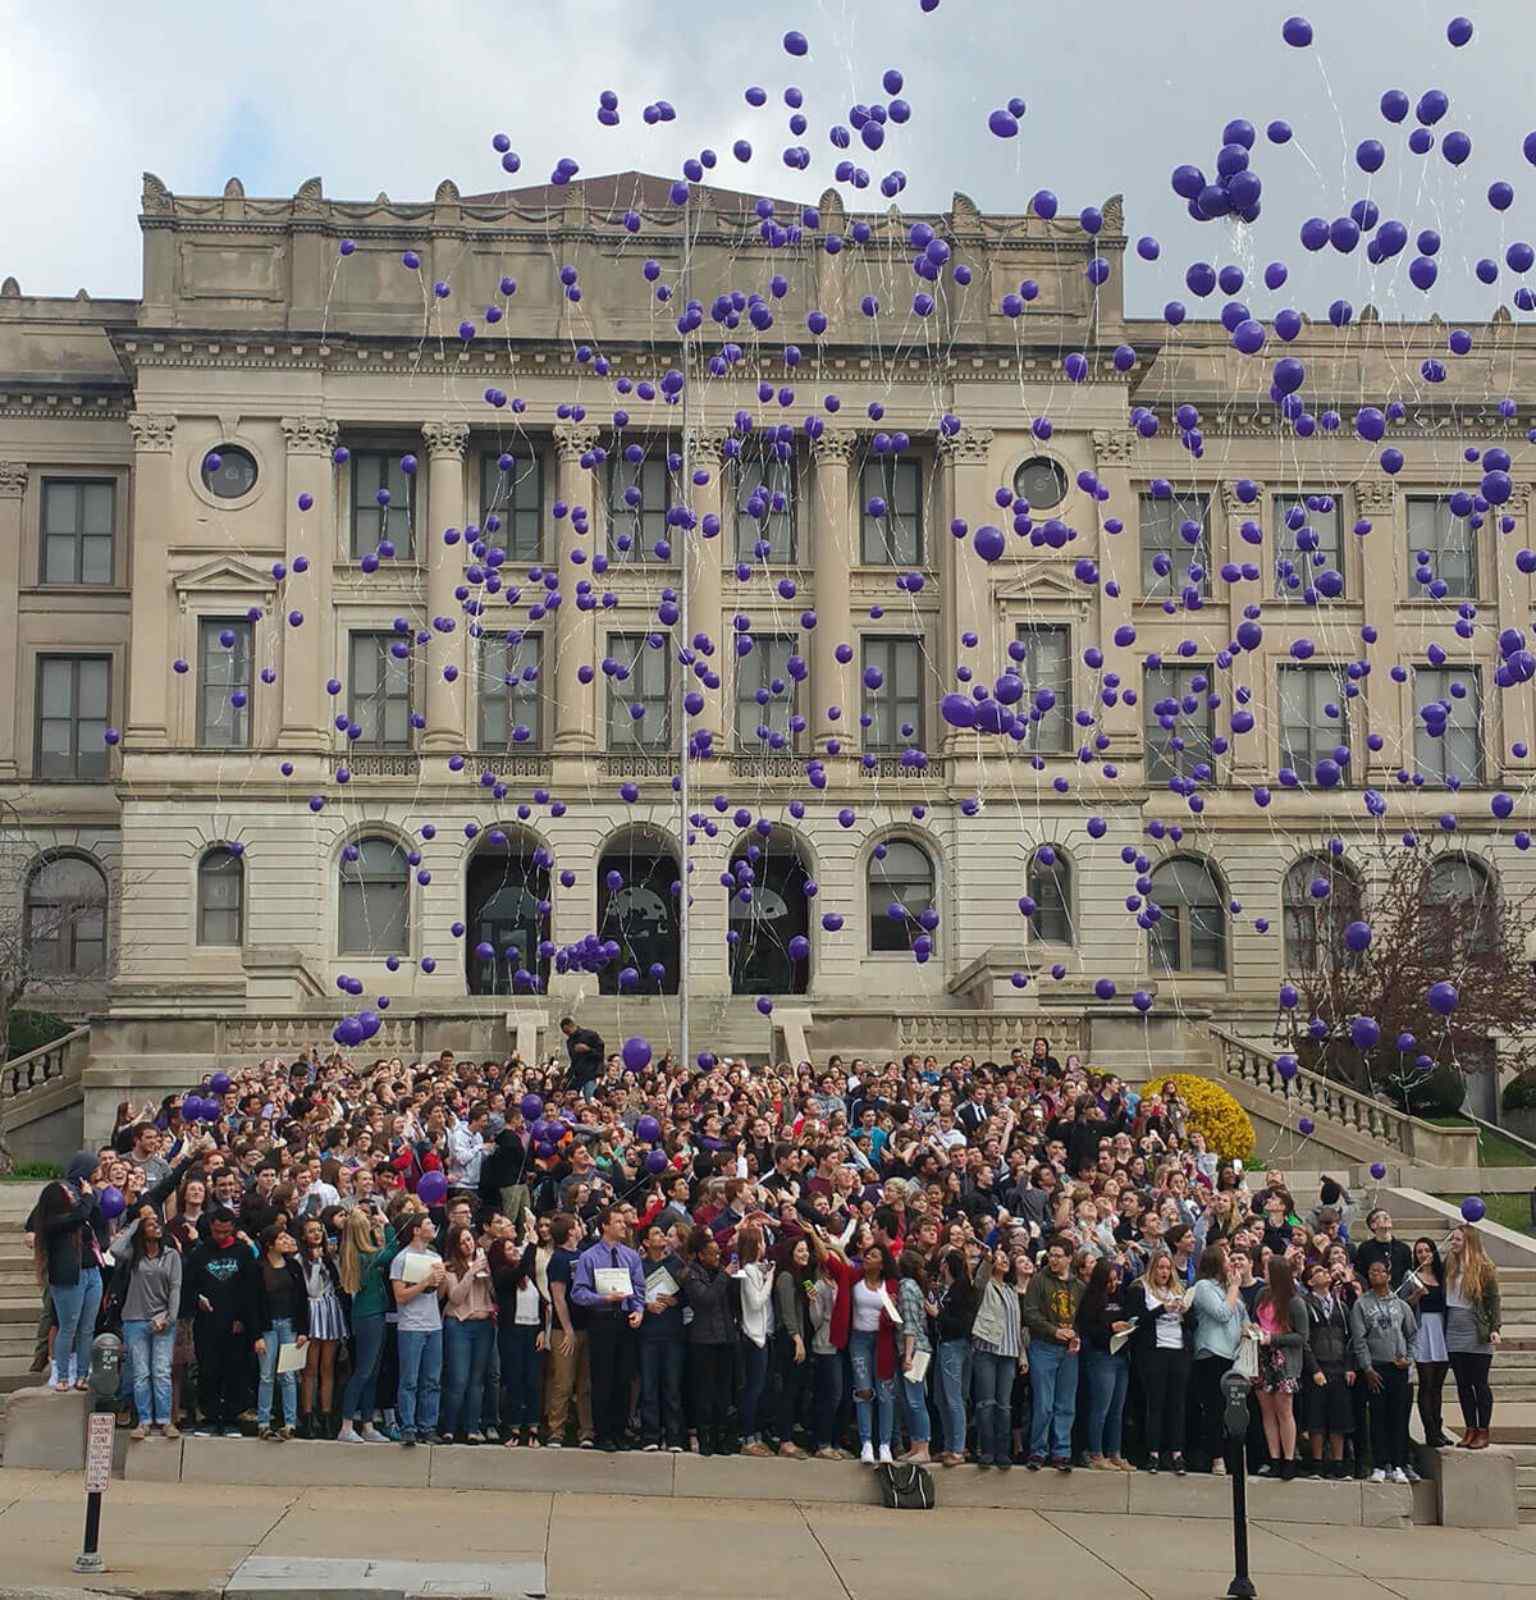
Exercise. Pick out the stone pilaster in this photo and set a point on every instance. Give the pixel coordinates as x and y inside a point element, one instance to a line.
<point>1385,555</point>
<point>965,490</point>
<point>13,485</point>
<point>705,557</point>
<point>1250,758</point>
<point>575,629</point>
<point>833,556</point>
<point>1114,451</point>
<point>306,649</point>
<point>446,661</point>
<point>154,513</point>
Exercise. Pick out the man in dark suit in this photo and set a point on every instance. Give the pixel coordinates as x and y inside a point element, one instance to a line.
<point>585,1049</point>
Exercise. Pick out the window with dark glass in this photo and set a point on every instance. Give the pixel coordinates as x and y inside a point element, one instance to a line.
<point>894,538</point>
<point>1041,482</point>
<point>1174,533</point>
<point>642,685</point>
<point>1307,542</point>
<point>1457,751</point>
<point>220,898</point>
<point>902,878</point>
<point>1045,665</point>
<point>765,695</point>
<point>74,697</point>
<point>1178,721</point>
<point>79,530</point>
<point>893,699</point>
<point>1049,885</point>
<point>1190,935</point>
<point>1448,542</point>
<point>515,497</point>
<point>639,497</point>
<point>765,504</point>
<point>376,472</point>
<point>379,690</point>
<point>1314,719</point>
<point>375,900</point>
<point>224,683</point>
<point>1315,923</point>
<point>511,692</point>
<point>65,916</point>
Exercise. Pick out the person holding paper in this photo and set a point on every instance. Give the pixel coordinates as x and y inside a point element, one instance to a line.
<point>417,1277</point>
<point>912,1301</point>
<point>282,1314</point>
<point>663,1350</point>
<point>608,1281</point>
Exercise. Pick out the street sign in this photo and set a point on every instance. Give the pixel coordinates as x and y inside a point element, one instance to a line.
<point>98,1451</point>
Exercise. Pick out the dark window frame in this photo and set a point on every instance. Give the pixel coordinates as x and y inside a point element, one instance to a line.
<point>496,691</point>
<point>379,703</point>
<point>875,738</point>
<point>75,660</point>
<point>78,535</point>
<point>401,532</point>
<point>626,735</point>
<point>883,542</point>
<point>242,651</point>
<point>505,495</point>
<point>220,864</point>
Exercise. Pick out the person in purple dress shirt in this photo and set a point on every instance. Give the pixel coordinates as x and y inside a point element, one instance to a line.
<point>611,1330</point>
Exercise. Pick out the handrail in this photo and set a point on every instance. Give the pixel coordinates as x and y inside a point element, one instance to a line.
<point>1316,1096</point>
<point>46,1064</point>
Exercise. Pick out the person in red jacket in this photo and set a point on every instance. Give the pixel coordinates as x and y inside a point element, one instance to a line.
<point>864,1323</point>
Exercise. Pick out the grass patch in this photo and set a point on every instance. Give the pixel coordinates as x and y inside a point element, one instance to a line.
<point>1493,1149</point>
<point>1512,1211</point>
<point>32,1172</point>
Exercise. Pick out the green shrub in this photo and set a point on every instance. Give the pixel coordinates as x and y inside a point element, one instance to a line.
<point>1439,1092</point>
<point>31,1030</point>
<point>1520,1091</point>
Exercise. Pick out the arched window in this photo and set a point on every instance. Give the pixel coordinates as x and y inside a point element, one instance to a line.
<point>900,874</point>
<point>1314,921</point>
<point>66,918</point>
<point>1464,903</point>
<point>1049,885</point>
<point>221,898</point>
<point>375,899</point>
<point>1191,933</point>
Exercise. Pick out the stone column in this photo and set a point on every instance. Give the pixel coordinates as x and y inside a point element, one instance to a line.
<point>966,491</point>
<point>306,650</point>
<point>13,485</point>
<point>446,723</point>
<point>1516,720</point>
<point>1383,551</point>
<point>705,555</point>
<point>575,629</point>
<point>1119,554</point>
<point>1251,759</point>
<point>832,556</point>
<point>154,503</point>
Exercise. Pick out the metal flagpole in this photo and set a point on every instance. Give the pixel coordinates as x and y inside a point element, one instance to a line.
<point>682,653</point>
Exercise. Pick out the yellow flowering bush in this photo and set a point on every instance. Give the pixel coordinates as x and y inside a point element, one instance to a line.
<point>1212,1110</point>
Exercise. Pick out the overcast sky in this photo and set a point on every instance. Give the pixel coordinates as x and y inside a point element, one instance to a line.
<point>390,96</point>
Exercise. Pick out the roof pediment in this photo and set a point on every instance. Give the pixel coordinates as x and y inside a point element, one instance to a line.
<point>1037,582</point>
<point>223,575</point>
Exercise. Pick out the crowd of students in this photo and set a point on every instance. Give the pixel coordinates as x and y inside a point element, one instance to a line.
<point>1020,1262</point>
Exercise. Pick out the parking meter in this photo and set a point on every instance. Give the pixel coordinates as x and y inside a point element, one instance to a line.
<point>106,1366</point>
<point>1234,1393</point>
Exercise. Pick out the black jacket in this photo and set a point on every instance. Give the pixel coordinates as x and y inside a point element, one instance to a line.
<point>589,1062</point>
<point>1328,1337</point>
<point>262,1316</point>
<point>707,1293</point>
<point>1396,1253</point>
<point>65,1236</point>
<point>505,1166</point>
<point>226,1280</point>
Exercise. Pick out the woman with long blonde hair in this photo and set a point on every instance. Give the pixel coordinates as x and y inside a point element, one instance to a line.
<point>367,1248</point>
<point>1472,1320</point>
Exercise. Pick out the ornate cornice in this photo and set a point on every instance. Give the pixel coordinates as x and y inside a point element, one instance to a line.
<point>707,448</point>
<point>153,431</point>
<point>1233,505</point>
<point>573,440</point>
<point>836,445</point>
<point>446,440</point>
<point>1376,497</point>
<point>1114,447</point>
<point>309,436</point>
<point>13,479</point>
<point>973,447</point>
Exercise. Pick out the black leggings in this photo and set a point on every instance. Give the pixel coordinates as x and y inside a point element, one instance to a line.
<point>1431,1388</point>
<point>1165,1379</point>
<point>1473,1388</point>
<point>1210,1405</point>
<point>711,1368</point>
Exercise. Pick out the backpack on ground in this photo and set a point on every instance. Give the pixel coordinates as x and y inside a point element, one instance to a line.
<point>906,1486</point>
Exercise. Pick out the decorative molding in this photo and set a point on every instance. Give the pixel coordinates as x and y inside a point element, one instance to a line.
<point>835,446</point>
<point>446,440</point>
<point>223,576</point>
<point>447,193</point>
<point>1235,507</point>
<point>1114,214</point>
<point>309,436</point>
<point>573,440</point>
<point>973,447</point>
<point>234,190</point>
<point>156,200</point>
<point>10,290</point>
<point>153,431</point>
<point>964,212</point>
<point>13,479</point>
<point>1376,497</point>
<point>707,448</point>
<point>1115,447</point>
<point>309,199</point>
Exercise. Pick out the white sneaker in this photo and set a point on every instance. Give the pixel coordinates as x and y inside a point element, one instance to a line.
<point>1399,1476</point>
<point>885,1456</point>
<point>867,1455</point>
<point>1413,1475</point>
<point>1378,1476</point>
<point>371,1435</point>
<point>349,1435</point>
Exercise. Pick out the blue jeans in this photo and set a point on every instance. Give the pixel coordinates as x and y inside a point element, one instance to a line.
<point>149,1354</point>
<point>917,1410</point>
<point>361,1393</point>
<point>1107,1378</point>
<point>421,1373</point>
<point>522,1368</point>
<point>76,1309</point>
<point>952,1357</point>
<point>661,1391</point>
<point>992,1383</point>
<point>870,1391</point>
<point>280,1333</point>
<point>1053,1378</point>
<point>466,1350</point>
<point>754,1362</point>
<point>827,1397</point>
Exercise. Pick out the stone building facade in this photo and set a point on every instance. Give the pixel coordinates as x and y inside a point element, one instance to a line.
<point>161,460</point>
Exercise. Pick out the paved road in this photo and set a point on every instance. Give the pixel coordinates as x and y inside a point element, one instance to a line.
<point>246,1543</point>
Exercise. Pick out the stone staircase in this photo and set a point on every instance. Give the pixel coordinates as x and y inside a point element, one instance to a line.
<point>19,1294</point>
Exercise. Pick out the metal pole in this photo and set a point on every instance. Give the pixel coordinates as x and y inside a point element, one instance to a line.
<point>1241,1586</point>
<point>89,1560</point>
<point>684,966</point>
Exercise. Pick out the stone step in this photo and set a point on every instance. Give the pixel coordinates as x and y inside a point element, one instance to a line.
<point>13,1309</point>
<point>1514,1423</point>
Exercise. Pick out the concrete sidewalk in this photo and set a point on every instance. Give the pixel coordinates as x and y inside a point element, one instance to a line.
<point>275,1543</point>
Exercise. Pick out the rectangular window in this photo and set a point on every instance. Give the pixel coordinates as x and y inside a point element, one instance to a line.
<point>1047,664</point>
<point>639,497</point>
<point>1311,547</point>
<point>373,472</point>
<point>897,703</point>
<point>74,697</point>
<point>648,686</point>
<point>379,690</point>
<point>896,538</point>
<point>1165,526</point>
<point>1447,540</point>
<point>765,503</point>
<point>765,695</point>
<point>223,670</point>
<point>1458,751</point>
<point>1178,721</point>
<point>79,517</point>
<point>516,499</point>
<point>511,694</point>
<point>1307,730</point>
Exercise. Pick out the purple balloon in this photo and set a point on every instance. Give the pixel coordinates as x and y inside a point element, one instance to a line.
<point>112,1202</point>
<point>648,1130</point>
<point>636,1053</point>
<point>1473,1209</point>
<point>532,1108</point>
<point>432,1188</point>
<point>656,1162</point>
